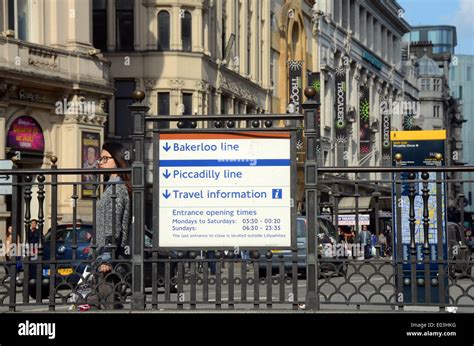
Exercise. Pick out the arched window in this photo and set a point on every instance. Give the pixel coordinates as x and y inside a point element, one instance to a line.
<point>163,30</point>
<point>186,31</point>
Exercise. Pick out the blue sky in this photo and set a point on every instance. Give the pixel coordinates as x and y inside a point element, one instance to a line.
<point>459,13</point>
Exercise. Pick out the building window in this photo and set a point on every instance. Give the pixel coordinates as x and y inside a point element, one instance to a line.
<point>425,84</point>
<point>99,24</point>
<point>186,31</point>
<point>223,104</point>
<point>436,111</point>
<point>224,33</point>
<point>415,36</point>
<point>163,30</point>
<point>11,14</point>
<point>188,103</point>
<point>18,18</point>
<point>352,15</point>
<point>337,11</point>
<point>468,73</point>
<point>124,24</point>
<point>437,85</point>
<point>460,92</point>
<point>123,99</point>
<point>345,24</point>
<point>164,107</point>
<point>187,107</point>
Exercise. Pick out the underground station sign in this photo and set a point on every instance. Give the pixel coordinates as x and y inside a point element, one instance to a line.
<point>225,190</point>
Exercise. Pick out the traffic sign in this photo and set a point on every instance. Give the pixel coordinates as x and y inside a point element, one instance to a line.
<point>6,180</point>
<point>225,190</point>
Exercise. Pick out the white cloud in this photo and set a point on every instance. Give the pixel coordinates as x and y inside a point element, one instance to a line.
<point>464,18</point>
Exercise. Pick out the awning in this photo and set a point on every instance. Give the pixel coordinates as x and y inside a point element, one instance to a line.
<point>347,205</point>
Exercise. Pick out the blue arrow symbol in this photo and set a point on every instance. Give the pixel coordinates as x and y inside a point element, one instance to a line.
<point>167,174</point>
<point>166,194</point>
<point>167,146</point>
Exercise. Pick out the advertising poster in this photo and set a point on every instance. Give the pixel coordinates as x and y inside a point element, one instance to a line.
<point>25,134</point>
<point>90,144</point>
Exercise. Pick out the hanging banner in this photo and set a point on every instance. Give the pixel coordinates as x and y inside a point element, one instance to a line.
<point>386,126</point>
<point>295,96</point>
<point>295,91</point>
<point>340,118</point>
<point>315,82</point>
<point>364,126</point>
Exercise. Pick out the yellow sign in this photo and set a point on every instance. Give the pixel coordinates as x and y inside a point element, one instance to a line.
<point>423,135</point>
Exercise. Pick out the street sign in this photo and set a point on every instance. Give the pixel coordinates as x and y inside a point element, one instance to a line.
<point>225,190</point>
<point>350,219</point>
<point>419,148</point>
<point>6,180</point>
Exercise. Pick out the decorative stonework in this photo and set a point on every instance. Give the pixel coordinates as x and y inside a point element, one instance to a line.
<point>315,17</point>
<point>176,83</point>
<point>238,88</point>
<point>97,120</point>
<point>347,42</point>
<point>43,58</point>
<point>150,84</point>
<point>202,86</point>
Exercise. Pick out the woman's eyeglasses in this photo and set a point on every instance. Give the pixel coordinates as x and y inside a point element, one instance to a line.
<point>104,159</point>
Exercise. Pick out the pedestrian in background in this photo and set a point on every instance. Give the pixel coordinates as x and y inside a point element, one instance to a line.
<point>382,242</point>
<point>364,241</point>
<point>8,242</point>
<point>373,243</point>
<point>33,237</point>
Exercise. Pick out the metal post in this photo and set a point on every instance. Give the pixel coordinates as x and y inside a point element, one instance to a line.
<point>310,108</point>
<point>138,110</point>
<point>16,226</point>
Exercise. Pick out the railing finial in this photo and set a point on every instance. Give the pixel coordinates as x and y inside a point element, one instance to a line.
<point>138,96</point>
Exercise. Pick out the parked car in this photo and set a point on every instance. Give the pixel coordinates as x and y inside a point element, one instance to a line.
<point>327,235</point>
<point>71,271</point>
<point>459,252</point>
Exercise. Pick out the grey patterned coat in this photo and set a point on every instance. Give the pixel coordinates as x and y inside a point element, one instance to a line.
<point>104,214</point>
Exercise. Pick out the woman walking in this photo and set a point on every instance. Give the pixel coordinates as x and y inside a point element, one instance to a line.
<point>112,156</point>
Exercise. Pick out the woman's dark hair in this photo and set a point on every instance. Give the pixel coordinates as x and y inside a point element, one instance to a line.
<point>117,151</point>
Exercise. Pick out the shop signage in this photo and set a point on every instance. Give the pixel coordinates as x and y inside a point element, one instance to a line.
<point>29,96</point>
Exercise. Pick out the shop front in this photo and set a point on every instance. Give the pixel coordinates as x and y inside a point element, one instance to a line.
<point>38,123</point>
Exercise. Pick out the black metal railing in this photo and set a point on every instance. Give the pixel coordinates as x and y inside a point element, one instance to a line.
<point>323,268</point>
<point>427,264</point>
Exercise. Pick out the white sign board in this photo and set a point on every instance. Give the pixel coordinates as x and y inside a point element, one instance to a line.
<point>225,190</point>
<point>350,220</point>
<point>6,180</point>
